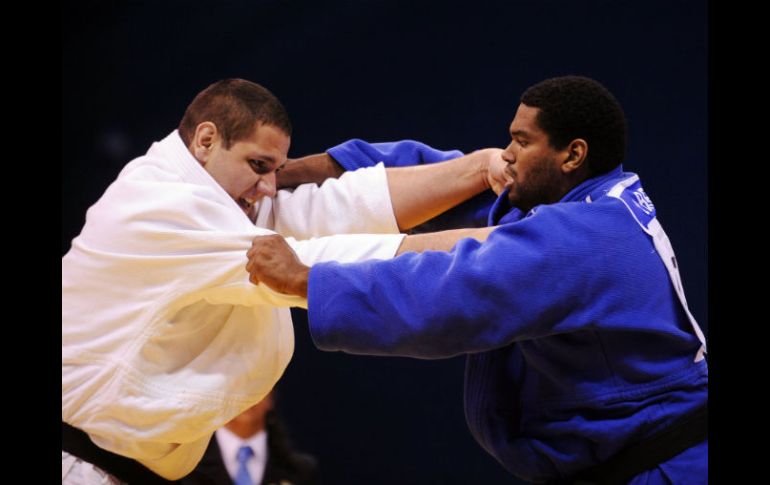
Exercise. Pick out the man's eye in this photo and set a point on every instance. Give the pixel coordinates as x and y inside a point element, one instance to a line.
<point>259,166</point>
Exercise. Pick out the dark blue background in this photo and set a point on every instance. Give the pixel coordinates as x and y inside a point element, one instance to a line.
<point>445,73</point>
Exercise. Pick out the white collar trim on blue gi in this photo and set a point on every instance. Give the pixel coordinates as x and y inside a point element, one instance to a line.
<point>631,193</point>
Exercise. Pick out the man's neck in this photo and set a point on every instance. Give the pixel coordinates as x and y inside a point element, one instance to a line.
<point>245,430</point>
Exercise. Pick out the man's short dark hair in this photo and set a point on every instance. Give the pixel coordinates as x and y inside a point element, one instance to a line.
<point>579,107</point>
<point>234,106</point>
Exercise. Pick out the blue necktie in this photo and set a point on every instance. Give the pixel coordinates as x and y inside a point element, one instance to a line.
<point>243,477</point>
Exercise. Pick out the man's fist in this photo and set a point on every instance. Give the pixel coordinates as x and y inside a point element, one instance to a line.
<point>495,168</point>
<point>274,263</point>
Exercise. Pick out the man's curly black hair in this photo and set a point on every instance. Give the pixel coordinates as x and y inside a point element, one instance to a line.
<point>579,107</point>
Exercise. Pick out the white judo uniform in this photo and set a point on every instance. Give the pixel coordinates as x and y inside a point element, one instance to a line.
<point>164,339</point>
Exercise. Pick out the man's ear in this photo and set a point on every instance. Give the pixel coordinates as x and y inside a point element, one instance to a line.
<point>205,136</point>
<point>576,152</point>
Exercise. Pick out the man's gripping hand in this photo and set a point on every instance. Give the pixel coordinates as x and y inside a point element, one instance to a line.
<point>274,263</point>
<point>493,165</point>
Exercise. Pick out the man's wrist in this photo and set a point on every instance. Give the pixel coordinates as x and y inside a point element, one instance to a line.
<point>299,287</point>
<point>309,169</point>
<point>483,168</point>
<point>333,168</point>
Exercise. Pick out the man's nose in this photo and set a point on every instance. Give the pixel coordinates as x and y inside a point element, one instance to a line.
<point>508,154</point>
<point>266,185</point>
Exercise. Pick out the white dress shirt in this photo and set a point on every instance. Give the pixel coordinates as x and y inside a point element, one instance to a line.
<point>230,443</point>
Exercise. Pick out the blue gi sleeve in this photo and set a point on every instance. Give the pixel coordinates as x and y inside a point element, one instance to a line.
<point>543,275</point>
<point>354,154</point>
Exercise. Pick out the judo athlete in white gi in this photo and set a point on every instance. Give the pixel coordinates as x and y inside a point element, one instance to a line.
<point>164,339</point>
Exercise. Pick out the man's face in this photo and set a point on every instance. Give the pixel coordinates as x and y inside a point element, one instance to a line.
<point>255,415</point>
<point>533,165</point>
<point>247,170</point>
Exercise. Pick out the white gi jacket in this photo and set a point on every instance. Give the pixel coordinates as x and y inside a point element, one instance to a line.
<point>164,339</point>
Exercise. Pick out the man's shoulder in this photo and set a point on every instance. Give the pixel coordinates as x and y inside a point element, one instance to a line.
<point>165,160</point>
<point>294,466</point>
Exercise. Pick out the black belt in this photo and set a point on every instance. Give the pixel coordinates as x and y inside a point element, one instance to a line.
<point>77,443</point>
<point>645,454</point>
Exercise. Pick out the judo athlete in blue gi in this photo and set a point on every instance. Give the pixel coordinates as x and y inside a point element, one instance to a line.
<point>583,361</point>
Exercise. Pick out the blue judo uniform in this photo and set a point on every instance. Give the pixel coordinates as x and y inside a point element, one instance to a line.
<point>578,342</point>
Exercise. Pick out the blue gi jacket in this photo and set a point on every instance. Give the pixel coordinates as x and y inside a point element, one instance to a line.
<point>577,344</point>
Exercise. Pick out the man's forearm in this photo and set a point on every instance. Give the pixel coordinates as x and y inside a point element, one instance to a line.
<point>310,169</point>
<point>418,193</point>
<point>441,241</point>
<point>422,192</point>
<point>295,281</point>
